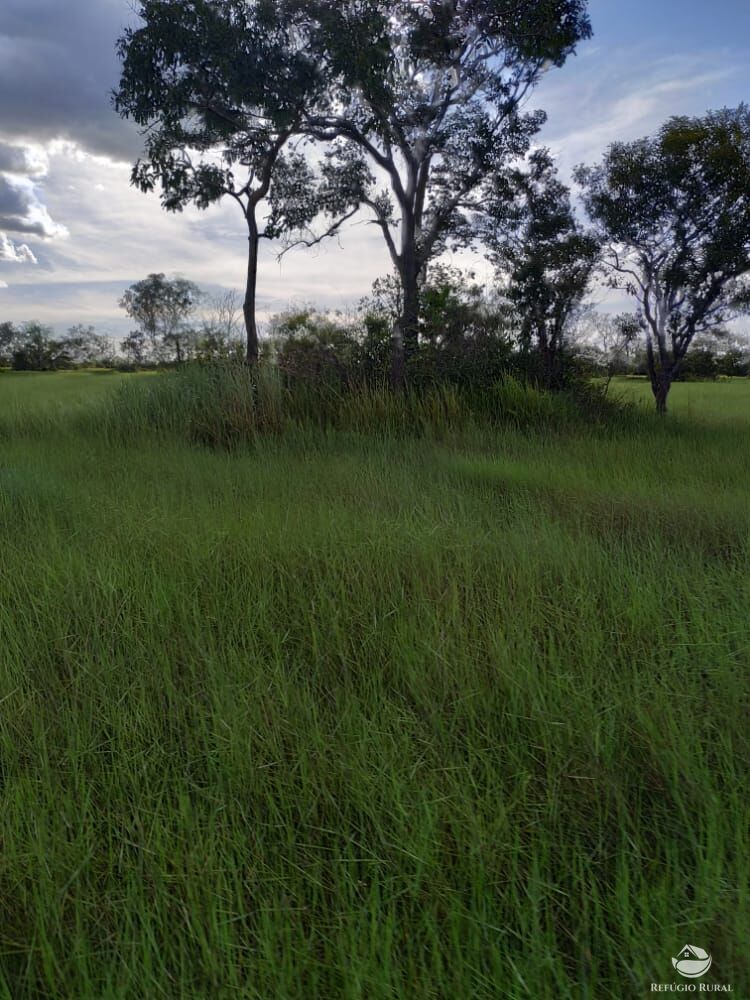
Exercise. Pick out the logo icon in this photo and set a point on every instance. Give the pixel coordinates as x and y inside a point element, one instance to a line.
<point>692,962</point>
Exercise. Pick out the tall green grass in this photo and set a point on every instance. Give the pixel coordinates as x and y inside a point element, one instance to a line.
<point>370,715</point>
<point>230,406</point>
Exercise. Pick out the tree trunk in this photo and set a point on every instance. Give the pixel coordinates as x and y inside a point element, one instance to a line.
<point>406,330</point>
<point>549,349</point>
<point>549,366</point>
<point>661,383</point>
<point>661,392</point>
<point>248,308</point>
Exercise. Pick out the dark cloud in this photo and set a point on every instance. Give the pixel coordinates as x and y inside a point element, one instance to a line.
<point>16,160</point>
<point>15,210</point>
<point>22,212</point>
<point>57,69</point>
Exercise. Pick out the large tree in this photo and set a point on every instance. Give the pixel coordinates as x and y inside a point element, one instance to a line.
<point>221,89</point>
<point>674,214</point>
<point>430,96</point>
<point>544,258</point>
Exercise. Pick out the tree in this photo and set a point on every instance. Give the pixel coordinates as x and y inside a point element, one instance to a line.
<point>219,334</point>
<point>84,346</point>
<point>162,307</point>
<point>429,97</point>
<point>135,347</point>
<point>221,88</point>
<point>464,330</point>
<point>35,349</point>
<point>8,336</point>
<point>544,258</point>
<point>673,213</point>
<point>606,343</point>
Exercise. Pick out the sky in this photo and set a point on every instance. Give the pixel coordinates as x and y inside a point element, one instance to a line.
<point>74,233</point>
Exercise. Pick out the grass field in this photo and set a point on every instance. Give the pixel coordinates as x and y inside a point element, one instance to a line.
<point>705,402</point>
<point>344,716</point>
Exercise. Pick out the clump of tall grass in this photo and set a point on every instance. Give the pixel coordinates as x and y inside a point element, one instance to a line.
<point>217,405</point>
<point>225,406</point>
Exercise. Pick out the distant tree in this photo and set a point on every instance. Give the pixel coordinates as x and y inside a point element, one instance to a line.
<point>722,352</point>
<point>8,336</point>
<point>673,214</point>
<point>222,88</point>
<point>544,258</point>
<point>429,108</point>
<point>219,335</point>
<point>162,308</point>
<point>85,347</point>
<point>36,349</point>
<point>607,343</point>
<point>135,347</point>
<point>734,357</point>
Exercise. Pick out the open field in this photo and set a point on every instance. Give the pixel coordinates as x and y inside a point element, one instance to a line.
<point>339,716</point>
<point>704,402</point>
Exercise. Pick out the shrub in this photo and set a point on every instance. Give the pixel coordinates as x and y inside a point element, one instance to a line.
<point>229,405</point>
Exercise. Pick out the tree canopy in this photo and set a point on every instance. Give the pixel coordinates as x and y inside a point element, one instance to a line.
<point>544,258</point>
<point>430,96</point>
<point>673,213</point>
<point>162,307</point>
<point>419,103</point>
<point>221,88</point>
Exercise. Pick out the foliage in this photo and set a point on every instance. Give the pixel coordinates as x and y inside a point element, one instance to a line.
<point>8,336</point>
<point>428,99</point>
<point>34,347</point>
<point>544,259</point>
<point>162,307</point>
<point>86,348</point>
<point>672,211</point>
<point>316,348</point>
<point>465,337</point>
<point>222,89</point>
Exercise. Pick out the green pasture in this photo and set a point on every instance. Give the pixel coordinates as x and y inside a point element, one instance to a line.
<point>340,715</point>
<point>723,401</point>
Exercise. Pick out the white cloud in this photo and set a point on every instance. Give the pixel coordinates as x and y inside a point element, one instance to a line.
<point>12,253</point>
<point>23,169</point>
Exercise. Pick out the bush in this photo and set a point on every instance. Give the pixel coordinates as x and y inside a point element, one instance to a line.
<point>314,349</point>
<point>227,406</point>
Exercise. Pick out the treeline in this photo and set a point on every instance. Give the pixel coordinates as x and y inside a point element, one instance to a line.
<point>33,346</point>
<point>471,335</point>
<point>416,116</point>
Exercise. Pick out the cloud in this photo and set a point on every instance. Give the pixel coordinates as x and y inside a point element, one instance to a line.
<point>21,211</point>
<point>11,253</point>
<point>26,161</point>
<point>591,104</point>
<point>58,66</point>
<point>3,284</point>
